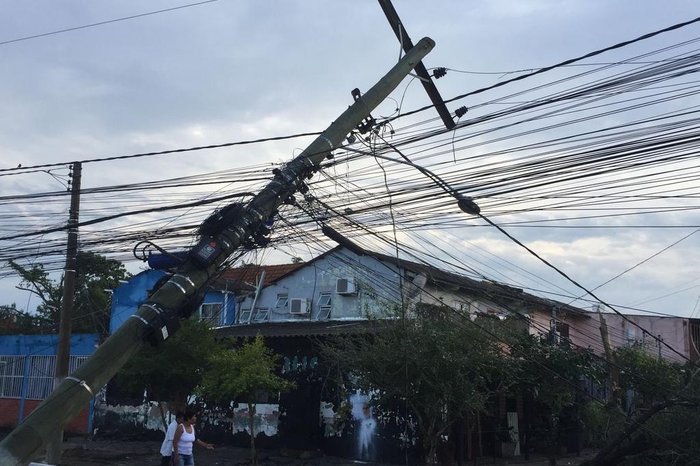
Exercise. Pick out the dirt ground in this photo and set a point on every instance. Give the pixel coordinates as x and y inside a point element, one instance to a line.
<point>129,453</point>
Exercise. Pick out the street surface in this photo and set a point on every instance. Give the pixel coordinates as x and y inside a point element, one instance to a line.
<point>131,453</point>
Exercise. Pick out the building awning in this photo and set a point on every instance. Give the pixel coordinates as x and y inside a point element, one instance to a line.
<point>301,328</point>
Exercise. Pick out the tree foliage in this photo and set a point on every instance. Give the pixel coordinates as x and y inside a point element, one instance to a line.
<point>549,376</point>
<point>442,368</point>
<point>240,375</point>
<point>14,321</point>
<point>95,276</point>
<point>650,378</point>
<point>171,372</point>
<point>551,372</point>
<point>243,372</point>
<point>657,423</point>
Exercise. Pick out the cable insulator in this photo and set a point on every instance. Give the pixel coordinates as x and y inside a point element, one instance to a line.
<point>461,111</point>
<point>439,72</point>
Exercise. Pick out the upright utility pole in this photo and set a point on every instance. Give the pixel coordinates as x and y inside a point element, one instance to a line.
<point>158,317</point>
<point>53,452</point>
<point>613,371</point>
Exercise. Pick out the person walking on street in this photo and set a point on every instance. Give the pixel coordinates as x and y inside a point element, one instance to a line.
<point>166,449</point>
<point>184,440</point>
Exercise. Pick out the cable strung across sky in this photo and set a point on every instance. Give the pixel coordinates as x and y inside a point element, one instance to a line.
<point>584,149</point>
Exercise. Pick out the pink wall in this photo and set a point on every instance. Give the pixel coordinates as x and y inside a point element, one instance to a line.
<point>9,414</point>
<point>584,331</point>
<point>673,331</point>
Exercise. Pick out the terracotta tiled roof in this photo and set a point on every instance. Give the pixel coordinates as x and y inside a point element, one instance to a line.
<point>243,277</point>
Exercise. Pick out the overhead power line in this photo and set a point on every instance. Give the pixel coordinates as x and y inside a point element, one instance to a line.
<point>163,152</point>
<point>558,65</point>
<point>101,23</point>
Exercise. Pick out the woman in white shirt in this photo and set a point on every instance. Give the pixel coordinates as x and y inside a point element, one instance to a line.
<point>184,440</point>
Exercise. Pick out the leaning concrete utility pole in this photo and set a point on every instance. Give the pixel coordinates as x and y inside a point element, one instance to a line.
<point>53,451</point>
<point>158,317</point>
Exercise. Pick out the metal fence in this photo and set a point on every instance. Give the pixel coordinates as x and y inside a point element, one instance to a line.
<point>40,375</point>
<point>11,375</point>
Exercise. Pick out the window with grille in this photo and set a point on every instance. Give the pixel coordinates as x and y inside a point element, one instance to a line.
<point>210,313</point>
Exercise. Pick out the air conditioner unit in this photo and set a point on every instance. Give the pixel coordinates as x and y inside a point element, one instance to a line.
<point>299,306</point>
<point>345,286</point>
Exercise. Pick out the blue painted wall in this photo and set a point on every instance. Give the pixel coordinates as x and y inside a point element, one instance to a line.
<point>128,296</point>
<point>83,344</point>
<point>228,301</point>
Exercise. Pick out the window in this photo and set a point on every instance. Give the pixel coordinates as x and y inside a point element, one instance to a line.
<point>562,329</point>
<point>324,306</point>
<point>282,301</point>
<point>210,313</point>
<point>244,316</point>
<point>261,315</point>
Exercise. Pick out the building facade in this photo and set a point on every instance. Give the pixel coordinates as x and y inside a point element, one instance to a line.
<point>346,290</point>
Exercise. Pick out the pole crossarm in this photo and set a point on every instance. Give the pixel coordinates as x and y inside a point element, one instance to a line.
<point>183,288</point>
<point>402,35</point>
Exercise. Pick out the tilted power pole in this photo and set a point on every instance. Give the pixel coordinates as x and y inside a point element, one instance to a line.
<point>156,318</point>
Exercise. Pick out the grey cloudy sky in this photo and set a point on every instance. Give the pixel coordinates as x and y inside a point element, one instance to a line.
<point>237,70</point>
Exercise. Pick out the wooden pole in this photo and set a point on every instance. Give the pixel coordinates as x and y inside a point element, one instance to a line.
<point>53,451</point>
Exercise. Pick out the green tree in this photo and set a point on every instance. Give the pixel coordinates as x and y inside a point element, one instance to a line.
<point>650,378</point>
<point>443,367</point>
<point>15,321</point>
<point>96,276</point>
<point>170,372</point>
<point>242,374</point>
<point>549,375</point>
<point>660,426</point>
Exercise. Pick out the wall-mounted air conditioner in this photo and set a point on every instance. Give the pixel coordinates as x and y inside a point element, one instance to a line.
<point>299,306</point>
<point>345,286</point>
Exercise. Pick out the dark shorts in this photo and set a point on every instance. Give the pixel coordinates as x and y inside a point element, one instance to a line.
<point>166,461</point>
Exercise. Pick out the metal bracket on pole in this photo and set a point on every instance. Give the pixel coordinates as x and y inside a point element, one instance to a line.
<point>420,69</point>
<point>82,383</point>
<point>368,122</point>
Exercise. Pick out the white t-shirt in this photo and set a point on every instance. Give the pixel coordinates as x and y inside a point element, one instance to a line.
<point>166,449</point>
